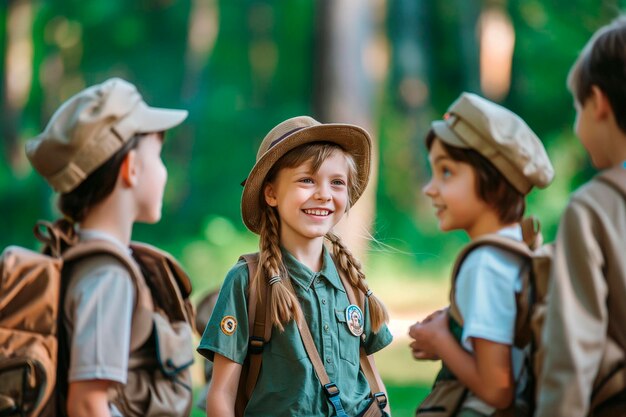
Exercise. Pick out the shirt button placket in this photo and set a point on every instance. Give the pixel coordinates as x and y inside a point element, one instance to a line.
<point>322,294</point>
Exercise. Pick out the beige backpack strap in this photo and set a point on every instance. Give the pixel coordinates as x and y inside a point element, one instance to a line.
<point>166,277</point>
<point>367,365</point>
<point>142,315</point>
<point>502,242</point>
<point>307,340</point>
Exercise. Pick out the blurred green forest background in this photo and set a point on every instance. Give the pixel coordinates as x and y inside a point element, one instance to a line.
<point>240,67</point>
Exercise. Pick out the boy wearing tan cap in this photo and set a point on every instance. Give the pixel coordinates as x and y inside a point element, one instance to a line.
<point>584,369</point>
<point>484,161</point>
<point>101,151</point>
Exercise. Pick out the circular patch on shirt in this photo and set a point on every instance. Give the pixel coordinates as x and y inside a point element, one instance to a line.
<point>354,319</point>
<point>228,325</point>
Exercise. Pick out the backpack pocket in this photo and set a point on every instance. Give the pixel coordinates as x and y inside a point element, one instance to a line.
<point>162,386</point>
<point>444,400</point>
<point>174,346</point>
<point>27,371</point>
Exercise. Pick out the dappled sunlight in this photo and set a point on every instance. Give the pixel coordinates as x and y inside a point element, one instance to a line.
<point>19,53</point>
<point>497,39</point>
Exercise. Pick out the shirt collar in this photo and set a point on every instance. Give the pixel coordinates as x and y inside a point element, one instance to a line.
<point>93,234</point>
<point>304,277</point>
<point>512,232</point>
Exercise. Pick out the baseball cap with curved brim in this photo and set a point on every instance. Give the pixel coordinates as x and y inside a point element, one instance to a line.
<point>90,127</point>
<point>295,132</point>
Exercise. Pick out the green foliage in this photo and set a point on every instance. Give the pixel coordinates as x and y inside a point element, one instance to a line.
<point>253,66</point>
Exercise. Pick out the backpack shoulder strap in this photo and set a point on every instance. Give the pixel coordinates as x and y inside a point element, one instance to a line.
<point>502,242</point>
<point>616,178</point>
<point>367,365</point>
<point>167,279</point>
<point>259,330</point>
<point>141,322</point>
<point>102,247</point>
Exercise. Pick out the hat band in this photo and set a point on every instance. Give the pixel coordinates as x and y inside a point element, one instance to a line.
<point>280,139</point>
<point>73,174</point>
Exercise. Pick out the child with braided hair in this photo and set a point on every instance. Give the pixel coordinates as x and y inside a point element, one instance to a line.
<point>317,362</point>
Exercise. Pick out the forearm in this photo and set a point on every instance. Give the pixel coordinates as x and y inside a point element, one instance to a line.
<point>222,395</point>
<point>88,399</point>
<point>491,384</point>
<point>218,406</point>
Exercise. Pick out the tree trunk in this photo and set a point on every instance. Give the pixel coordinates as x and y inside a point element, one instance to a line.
<point>345,90</point>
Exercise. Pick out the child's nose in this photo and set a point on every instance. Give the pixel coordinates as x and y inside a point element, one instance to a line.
<point>323,193</point>
<point>429,189</point>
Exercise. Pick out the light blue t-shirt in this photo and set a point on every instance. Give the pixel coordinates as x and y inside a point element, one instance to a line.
<point>486,286</point>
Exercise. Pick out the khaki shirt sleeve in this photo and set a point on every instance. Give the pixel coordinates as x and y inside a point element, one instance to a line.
<point>576,323</point>
<point>227,330</point>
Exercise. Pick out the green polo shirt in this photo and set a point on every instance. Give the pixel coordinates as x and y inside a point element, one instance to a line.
<point>287,384</point>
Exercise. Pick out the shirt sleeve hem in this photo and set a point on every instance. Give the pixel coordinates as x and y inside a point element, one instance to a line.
<point>92,374</point>
<point>487,334</point>
<point>209,351</point>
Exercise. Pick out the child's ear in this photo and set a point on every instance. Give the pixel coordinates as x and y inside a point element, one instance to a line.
<point>270,195</point>
<point>602,106</point>
<point>128,169</point>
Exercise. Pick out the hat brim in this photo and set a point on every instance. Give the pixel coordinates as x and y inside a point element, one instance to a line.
<point>447,135</point>
<point>353,139</point>
<point>156,119</point>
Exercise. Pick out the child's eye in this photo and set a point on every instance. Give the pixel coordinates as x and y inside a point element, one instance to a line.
<point>446,172</point>
<point>338,182</point>
<point>307,180</point>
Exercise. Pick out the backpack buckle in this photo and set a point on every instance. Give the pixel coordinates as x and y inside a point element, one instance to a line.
<point>256,345</point>
<point>331,389</point>
<point>381,399</point>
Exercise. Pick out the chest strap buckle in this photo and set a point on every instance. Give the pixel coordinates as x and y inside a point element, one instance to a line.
<point>381,399</point>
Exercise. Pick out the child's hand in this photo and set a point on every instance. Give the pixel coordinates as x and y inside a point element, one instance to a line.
<point>428,334</point>
<point>420,355</point>
<point>434,314</point>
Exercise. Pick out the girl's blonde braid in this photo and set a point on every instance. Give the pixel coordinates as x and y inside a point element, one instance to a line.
<point>284,305</point>
<point>352,267</point>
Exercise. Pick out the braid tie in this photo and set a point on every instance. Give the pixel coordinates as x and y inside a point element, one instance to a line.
<point>274,280</point>
<point>284,305</point>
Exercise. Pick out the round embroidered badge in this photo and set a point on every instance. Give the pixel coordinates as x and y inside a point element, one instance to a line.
<point>354,319</point>
<point>228,325</point>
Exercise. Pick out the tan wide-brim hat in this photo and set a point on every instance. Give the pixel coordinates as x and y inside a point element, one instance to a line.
<point>90,127</point>
<point>295,132</point>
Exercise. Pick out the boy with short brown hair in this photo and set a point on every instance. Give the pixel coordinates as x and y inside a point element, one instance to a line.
<point>101,150</point>
<point>583,372</point>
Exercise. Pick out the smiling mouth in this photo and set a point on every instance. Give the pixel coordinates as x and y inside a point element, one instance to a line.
<point>317,212</point>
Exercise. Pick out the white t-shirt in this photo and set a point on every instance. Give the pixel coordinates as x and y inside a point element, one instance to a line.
<point>486,286</point>
<point>98,309</point>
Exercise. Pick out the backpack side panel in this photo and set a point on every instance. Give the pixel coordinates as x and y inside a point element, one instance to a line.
<point>29,302</point>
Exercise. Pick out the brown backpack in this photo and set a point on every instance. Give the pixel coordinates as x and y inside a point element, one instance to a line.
<point>33,371</point>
